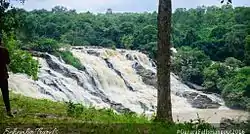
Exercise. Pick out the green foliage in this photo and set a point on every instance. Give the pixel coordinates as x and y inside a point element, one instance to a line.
<point>234,63</point>
<point>214,76</point>
<point>46,45</point>
<point>145,36</point>
<point>127,28</point>
<point>247,45</point>
<point>21,61</point>
<point>247,49</point>
<point>74,110</point>
<point>236,92</point>
<point>107,43</point>
<point>190,38</point>
<point>218,31</point>
<point>68,57</point>
<point>151,49</point>
<point>127,41</point>
<point>72,117</point>
<point>189,64</point>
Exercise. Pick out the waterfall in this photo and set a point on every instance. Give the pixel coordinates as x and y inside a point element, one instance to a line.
<point>123,80</point>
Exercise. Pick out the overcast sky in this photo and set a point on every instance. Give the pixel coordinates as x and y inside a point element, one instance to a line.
<point>121,5</point>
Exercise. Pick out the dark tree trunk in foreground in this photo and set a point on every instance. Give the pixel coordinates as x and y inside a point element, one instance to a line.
<point>164,106</point>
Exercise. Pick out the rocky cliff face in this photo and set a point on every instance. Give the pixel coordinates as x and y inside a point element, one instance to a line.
<point>123,80</point>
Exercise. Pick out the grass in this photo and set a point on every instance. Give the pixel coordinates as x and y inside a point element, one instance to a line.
<point>68,57</point>
<point>75,118</point>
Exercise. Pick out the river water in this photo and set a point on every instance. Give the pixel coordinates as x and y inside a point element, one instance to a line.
<point>111,80</point>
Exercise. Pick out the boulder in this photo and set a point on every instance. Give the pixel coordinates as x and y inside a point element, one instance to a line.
<point>93,52</point>
<point>148,76</point>
<point>194,86</point>
<point>129,57</point>
<point>200,101</point>
<point>231,124</point>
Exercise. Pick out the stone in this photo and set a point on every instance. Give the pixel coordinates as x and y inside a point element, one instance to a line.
<point>194,86</point>
<point>200,101</point>
<point>93,52</point>
<point>232,124</point>
<point>129,57</point>
<point>148,76</point>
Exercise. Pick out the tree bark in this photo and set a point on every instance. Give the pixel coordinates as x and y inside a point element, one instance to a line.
<point>164,106</point>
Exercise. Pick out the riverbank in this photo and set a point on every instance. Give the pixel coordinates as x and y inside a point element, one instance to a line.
<point>31,114</point>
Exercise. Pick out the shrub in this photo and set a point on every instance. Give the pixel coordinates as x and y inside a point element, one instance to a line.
<point>234,63</point>
<point>107,43</point>
<point>127,41</point>
<point>21,61</point>
<point>214,76</point>
<point>74,110</point>
<point>68,57</point>
<point>46,45</point>
<point>236,92</point>
<point>189,64</point>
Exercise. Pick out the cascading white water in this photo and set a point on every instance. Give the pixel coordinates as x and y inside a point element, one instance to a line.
<point>123,80</point>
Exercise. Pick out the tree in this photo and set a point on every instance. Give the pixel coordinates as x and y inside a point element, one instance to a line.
<point>107,43</point>
<point>191,37</point>
<point>127,28</point>
<point>127,41</point>
<point>4,5</point>
<point>228,1</point>
<point>236,92</point>
<point>214,77</point>
<point>46,45</point>
<point>145,36</point>
<point>189,64</point>
<point>164,106</point>
<point>218,32</point>
<point>247,50</point>
<point>109,11</point>
<point>59,9</point>
<point>233,63</point>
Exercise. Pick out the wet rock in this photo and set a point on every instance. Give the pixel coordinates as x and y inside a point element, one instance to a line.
<point>231,124</point>
<point>62,82</point>
<point>153,63</point>
<point>123,51</point>
<point>129,57</point>
<point>76,75</point>
<point>120,108</point>
<point>194,86</point>
<point>110,65</point>
<point>200,101</point>
<point>148,76</point>
<point>93,52</point>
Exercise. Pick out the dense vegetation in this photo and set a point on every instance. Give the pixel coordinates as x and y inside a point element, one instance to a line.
<point>68,58</point>
<point>213,43</point>
<point>75,118</point>
<point>21,61</point>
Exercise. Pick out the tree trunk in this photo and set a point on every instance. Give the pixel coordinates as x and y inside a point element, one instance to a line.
<point>164,106</point>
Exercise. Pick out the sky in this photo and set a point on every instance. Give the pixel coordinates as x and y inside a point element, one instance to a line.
<point>100,6</point>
